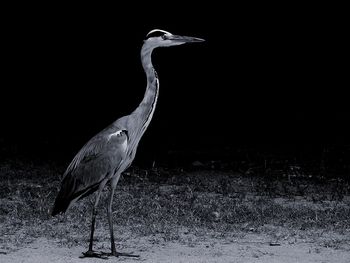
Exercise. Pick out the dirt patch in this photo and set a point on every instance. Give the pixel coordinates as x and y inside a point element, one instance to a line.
<point>251,248</point>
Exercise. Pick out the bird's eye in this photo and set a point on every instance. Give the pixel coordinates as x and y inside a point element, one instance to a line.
<point>164,37</point>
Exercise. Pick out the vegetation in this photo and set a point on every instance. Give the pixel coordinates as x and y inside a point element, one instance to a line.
<point>174,204</point>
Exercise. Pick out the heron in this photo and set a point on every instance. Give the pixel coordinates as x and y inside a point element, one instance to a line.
<point>109,153</point>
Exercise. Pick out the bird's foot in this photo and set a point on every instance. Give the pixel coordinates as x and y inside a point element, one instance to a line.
<point>104,255</point>
<point>92,254</point>
<point>120,254</point>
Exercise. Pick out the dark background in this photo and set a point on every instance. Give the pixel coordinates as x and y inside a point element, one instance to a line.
<point>268,78</point>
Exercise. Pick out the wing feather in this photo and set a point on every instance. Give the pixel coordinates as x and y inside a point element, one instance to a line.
<point>96,160</point>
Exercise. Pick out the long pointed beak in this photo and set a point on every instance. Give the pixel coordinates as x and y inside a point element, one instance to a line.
<point>185,39</point>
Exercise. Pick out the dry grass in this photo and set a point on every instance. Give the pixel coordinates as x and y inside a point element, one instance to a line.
<point>171,203</point>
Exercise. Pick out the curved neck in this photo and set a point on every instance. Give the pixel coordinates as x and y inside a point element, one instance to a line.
<point>144,112</point>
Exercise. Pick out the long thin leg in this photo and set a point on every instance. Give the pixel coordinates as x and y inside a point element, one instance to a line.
<point>90,252</point>
<point>114,252</point>
<point>114,182</point>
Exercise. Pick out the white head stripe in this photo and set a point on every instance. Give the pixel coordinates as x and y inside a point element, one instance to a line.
<point>165,32</point>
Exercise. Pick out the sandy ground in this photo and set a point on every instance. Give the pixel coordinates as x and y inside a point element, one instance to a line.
<point>252,248</point>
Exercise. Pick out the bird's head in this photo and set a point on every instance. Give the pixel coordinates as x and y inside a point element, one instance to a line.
<point>160,38</point>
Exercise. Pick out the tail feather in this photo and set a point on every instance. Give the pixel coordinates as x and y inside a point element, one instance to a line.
<point>61,205</point>
<point>69,194</point>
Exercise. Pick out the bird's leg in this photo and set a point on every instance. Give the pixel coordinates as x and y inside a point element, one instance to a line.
<point>114,252</point>
<point>90,252</point>
<point>110,222</point>
<point>94,213</point>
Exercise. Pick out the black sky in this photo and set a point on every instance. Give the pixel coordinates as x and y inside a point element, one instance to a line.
<point>262,77</point>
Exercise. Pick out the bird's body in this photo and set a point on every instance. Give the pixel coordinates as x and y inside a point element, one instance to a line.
<point>106,155</point>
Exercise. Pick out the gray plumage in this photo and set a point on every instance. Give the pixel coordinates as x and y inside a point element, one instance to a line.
<point>106,155</point>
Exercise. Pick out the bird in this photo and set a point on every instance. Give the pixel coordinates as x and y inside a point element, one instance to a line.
<point>110,152</point>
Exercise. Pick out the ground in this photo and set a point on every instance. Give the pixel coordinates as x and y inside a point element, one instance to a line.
<point>198,215</point>
<point>251,248</point>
